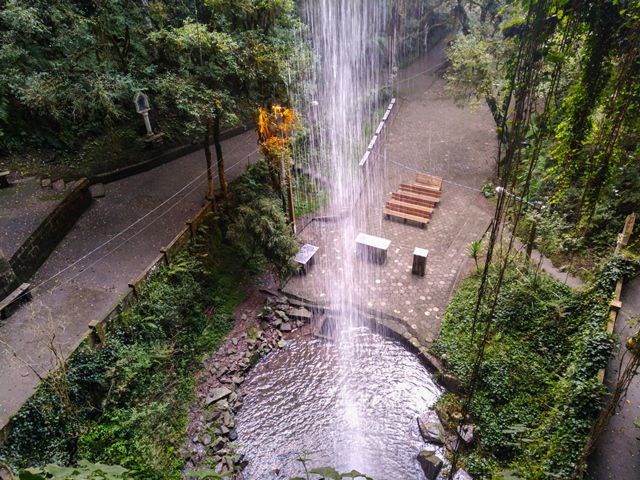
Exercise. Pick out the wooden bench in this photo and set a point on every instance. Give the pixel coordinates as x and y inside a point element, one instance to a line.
<point>304,257</point>
<point>373,249</point>
<point>411,208</point>
<point>406,216</point>
<point>415,198</point>
<point>420,189</point>
<point>15,298</point>
<point>429,180</point>
<point>4,179</point>
<point>407,211</point>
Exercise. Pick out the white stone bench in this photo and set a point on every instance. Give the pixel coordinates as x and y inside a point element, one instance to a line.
<point>304,257</point>
<point>373,249</point>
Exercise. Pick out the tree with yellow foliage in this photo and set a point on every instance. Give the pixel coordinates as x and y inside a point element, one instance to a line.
<point>275,129</point>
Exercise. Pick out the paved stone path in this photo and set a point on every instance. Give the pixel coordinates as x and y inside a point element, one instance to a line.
<point>431,135</point>
<point>22,207</point>
<point>65,307</point>
<point>617,454</point>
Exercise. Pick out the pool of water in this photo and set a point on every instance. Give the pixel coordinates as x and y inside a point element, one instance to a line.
<point>349,405</point>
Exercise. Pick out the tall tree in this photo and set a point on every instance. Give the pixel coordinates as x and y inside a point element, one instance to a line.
<point>223,64</point>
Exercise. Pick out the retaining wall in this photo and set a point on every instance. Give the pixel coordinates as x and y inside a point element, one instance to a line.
<point>166,157</point>
<point>40,244</point>
<point>8,280</point>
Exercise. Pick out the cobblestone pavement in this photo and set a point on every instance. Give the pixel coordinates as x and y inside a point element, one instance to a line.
<point>431,135</point>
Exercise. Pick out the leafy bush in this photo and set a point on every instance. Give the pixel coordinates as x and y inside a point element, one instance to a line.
<point>537,393</point>
<point>261,228</point>
<point>257,226</point>
<point>84,470</point>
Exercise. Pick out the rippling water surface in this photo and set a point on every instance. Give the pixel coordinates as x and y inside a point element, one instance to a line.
<point>305,400</point>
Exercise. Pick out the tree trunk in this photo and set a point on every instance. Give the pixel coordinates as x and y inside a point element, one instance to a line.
<point>207,155</point>
<point>283,187</point>
<point>531,240</point>
<point>216,141</point>
<point>275,183</point>
<point>292,210</point>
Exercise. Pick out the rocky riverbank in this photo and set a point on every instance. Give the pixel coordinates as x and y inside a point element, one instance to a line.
<point>265,322</point>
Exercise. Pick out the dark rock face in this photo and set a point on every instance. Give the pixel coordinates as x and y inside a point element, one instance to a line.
<point>286,327</point>
<point>466,433</point>
<point>431,464</point>
<point>301,314</point>
<point>97,190</point>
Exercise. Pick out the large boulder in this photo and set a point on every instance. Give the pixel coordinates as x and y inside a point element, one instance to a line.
<point>431,464</point>
<point>301,314</point>
<point>466,433</point>
<point>217,394</point>
<point>431,429</point>
<point>462,475</point>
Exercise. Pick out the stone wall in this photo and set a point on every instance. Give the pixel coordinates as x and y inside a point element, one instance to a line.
<point>8,280</point>
<point>37,248</point>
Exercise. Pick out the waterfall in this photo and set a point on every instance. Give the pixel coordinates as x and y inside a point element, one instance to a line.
<point>343,102</point>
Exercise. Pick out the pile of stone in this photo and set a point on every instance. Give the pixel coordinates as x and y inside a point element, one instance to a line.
<point>434,433</point>
<point>213,426</point>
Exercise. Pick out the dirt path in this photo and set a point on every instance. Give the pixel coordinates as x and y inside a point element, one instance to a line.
<point>64,307</point>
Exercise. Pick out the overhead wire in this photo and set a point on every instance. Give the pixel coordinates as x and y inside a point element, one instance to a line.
<point>143,228</point>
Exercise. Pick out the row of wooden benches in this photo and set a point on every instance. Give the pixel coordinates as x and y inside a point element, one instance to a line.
<point>415,201</point>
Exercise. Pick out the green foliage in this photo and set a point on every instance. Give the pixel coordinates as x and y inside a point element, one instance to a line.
<point>471,77</point>
<point>84,470</point>
<point>70,71</point>
<point>538,392</point>
<point>309,197</point>
<point>475,248</point>
<point>72,68</point>
<point>257,226</point>
<point>585,79</point>
<point>260,228</point>
<point>129,399</point>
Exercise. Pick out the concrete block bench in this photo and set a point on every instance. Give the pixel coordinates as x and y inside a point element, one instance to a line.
<point>371,248</point>
<point>304,258</point>
<point>419,266</point>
